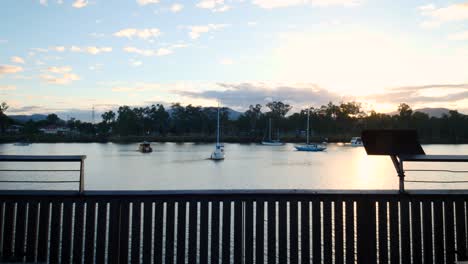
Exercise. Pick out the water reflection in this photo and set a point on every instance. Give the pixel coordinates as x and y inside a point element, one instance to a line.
<point>247,166</point>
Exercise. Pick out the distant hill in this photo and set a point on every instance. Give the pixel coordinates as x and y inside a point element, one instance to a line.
<point>26,118</point>
<point>86,115</point>
<point>433,112</point>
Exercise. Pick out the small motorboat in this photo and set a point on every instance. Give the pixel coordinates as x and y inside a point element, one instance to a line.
<point>356,142</point>
<point>311,147</point>
<point>145,147</point>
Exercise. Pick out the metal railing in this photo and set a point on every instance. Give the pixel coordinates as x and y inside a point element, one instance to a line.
<point>49,158</point>
<point>234,226</point>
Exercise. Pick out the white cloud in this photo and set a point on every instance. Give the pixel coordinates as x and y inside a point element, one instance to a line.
<point>7,87</point>
<point>251,23</point>
<point>437,16</point>
<point>59,70</point>
<point>59,2</point>
<point>91,49</point>
<point>459,36</point>
<point>62,79</point>
<point>269,4</point>
<point>226,61</point>
<point>3,41</point>
<point>140,33</point>
<point>138,87</point>
<point>43,2</point>
<point>95,67</point>
<point>16,59</point>
<point>158,52</point>
<point>213,5</point>
<point>8,69</point>
<point>176,7</point>
<point>40,50</point>
<point>58,48</point>
<point>146,2</point>
<point>80,3</point>
<point>135,63</point>
<point>196,31</point>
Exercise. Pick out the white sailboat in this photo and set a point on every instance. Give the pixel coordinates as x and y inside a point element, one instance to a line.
<point>310,146</point>
<point>218,153</point>
<point>271,142</point>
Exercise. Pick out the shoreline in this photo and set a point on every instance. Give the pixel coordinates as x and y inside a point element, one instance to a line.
<point>188,139</point>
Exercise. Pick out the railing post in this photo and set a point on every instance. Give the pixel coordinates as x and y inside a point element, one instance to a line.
<point>366,231</point>
<point>81,176</point>
<point>401,173</point>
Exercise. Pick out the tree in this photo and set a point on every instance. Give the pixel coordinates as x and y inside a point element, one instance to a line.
<point>52,119</point>
<point>404,110</point>
<point>108,117</point>
<point>278,109</point>
<point>4,120</point>
<point>253,114</point>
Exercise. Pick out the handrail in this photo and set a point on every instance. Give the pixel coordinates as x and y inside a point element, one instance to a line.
<point>227,192</point>
<point>48,158</point>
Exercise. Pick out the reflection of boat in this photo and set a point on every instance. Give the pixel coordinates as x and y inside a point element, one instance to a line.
<point>356,142</point>
<point>272,142</point>
<point>21,144</point>
<point>145,147</point>
<point>310,146</point>
<point>218,154</point>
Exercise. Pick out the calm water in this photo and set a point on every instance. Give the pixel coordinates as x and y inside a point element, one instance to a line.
<point>247,166</point>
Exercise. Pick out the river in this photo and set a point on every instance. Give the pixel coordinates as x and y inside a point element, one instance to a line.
<point>174,166</point>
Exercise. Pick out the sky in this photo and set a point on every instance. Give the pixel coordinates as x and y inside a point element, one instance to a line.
<point>72,55</point>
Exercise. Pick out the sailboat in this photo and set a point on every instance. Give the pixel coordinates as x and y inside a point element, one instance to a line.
<point>310,146</point>
<point>218,153</point>
<point>271,142</point>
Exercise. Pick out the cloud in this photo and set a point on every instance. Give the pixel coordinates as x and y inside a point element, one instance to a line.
<point>436,16</point>
<point>138,87</point>
<point>145,33</point>
<point>7,87</point>
<point>80,3</point>
<point>40,50</point>
<point>43,2</point>
<point>196,31</point>
<point>459,36</point>
<point>62,79</point>
<point>241,95</point>
<point>58,48</point>
<point>91,49</point>
<point>63,69</point>
<point>16,59</point>
<point>226,61</point>
<point>59,75</point>
<point>176,7</point>
<point>423,95</point>
<point>8,69</point>
<point>158,52</point>
<point>251,23</point>
<point>135,63</point>
<point>270,4</point>
<point>213,5</point>
<point>146,2</point>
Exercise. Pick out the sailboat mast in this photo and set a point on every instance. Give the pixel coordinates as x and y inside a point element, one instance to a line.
<point>269,130</point>
<point>217,130</point>
<point>308,115</point>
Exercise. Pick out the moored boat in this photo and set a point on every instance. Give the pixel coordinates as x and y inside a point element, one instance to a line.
<point>272,142</point>
<point>218,153</point>
<point>145,147</point>
<point>313,147</point>
<point>356,142</point>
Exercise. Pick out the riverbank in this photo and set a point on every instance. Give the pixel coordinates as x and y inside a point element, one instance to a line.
<point>189,138</point>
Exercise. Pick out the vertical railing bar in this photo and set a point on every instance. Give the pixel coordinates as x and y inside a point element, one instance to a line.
<point>449,231</point>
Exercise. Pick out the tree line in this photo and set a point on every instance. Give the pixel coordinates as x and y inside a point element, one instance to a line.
<point>333,121</point>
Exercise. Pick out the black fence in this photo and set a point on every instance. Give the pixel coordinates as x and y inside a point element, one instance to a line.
<point>233,227</point>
